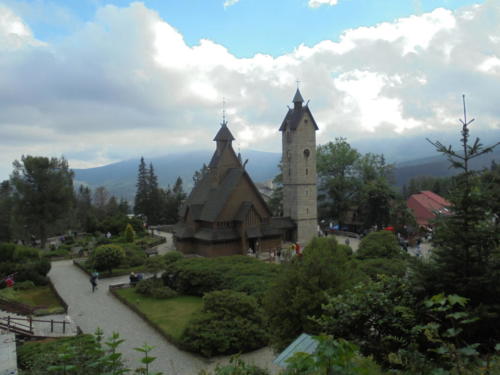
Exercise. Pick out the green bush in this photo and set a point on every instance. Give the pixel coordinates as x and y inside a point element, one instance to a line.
<point>26,271</point>
<point>25,253</point>
<point>146,286</point>
<point>163,292</point>
<point>7,251</point>
<point>230,322</point>
<point>134,259</point>
<point>172,256</point>
<point>197,276</point>
<point>154,288</point>
<point>302,287</point>
<point>107,257</point>
<point>24,285</point>
<point>382,244</point>
<point>383,266</point>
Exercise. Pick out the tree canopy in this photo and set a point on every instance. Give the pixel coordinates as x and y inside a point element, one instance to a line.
<point>43,192</point>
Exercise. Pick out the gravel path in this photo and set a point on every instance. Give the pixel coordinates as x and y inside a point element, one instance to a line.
<point>100,309</point>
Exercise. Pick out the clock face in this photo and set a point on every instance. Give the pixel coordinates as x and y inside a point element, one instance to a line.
<point>306,153</point>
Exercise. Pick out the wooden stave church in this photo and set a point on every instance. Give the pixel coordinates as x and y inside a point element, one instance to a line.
<point>225,213</point>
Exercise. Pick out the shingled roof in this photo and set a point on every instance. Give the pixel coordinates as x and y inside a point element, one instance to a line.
<point>295,114</point>
<point>224,134</point>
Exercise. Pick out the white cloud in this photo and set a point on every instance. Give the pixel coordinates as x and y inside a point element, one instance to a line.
<point>14,33</point>
<point>229,3</point>
<point>126,84</point>
<point>318,3</point>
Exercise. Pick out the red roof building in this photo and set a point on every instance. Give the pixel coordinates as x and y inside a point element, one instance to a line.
<point>426,206</point>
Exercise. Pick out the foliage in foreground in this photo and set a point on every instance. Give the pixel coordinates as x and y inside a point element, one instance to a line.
<point>466,243</point>
<point>302,286</point>
<point>339,357</point>
<point>378,316</point>
<point>80,355</point>
<point>236,366</point>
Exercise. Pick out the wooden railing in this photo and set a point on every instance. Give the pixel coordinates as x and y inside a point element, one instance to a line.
<point>25,325</point>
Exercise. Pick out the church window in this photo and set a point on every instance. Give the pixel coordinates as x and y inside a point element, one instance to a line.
<point>305,121</point>
<point>307,171</point>
<point>307,210</point>
<point>307,153</point>
<point>288,136</point>
<point>288,155</point>
<point>289,171</point>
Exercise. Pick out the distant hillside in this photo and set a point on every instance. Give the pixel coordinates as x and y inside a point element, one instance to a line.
<point>438,166</point>
<point>120,178</point>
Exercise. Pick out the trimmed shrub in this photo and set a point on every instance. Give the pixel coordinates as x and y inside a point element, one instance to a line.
<point>134,259</point>
<point>197,276</point>
<point>129,233</point>
<point>230,322</point>
<point>107,257</point>
<point>163,292</point>
<point>147,285</point>
<point>172,256</point>
<point>154,288</point>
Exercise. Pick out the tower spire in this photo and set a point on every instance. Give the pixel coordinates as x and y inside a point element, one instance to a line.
<point>224,122</point>
<point>297,99</point>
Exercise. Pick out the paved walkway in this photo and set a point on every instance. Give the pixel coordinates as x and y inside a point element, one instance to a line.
<point>101,309</point>
<point>168,245</point>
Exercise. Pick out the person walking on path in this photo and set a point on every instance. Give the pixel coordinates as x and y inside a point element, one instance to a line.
<point>93,281</point>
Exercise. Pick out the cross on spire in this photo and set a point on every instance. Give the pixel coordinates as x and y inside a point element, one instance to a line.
<point>224,123</point>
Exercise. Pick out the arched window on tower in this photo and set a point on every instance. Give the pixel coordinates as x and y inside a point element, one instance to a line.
<point>307,171</point>
<point>288,136</point>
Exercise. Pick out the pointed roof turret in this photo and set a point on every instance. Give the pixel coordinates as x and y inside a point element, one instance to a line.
<point>224,134</point>
<point>295,114</point>
<point>298,97</point>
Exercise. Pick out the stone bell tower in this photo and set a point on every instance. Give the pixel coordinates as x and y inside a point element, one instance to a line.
<point>298,131</point>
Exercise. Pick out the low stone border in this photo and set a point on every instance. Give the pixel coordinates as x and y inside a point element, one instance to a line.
<point>58,296</point>
<point>112,290</point>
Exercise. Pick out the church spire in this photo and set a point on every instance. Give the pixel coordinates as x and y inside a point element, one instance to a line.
<point>223,135</point>
<point>297,100</point>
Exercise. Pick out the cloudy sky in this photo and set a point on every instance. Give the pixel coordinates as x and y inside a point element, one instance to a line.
<point>102,81</point>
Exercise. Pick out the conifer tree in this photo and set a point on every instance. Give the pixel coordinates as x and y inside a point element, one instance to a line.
<point>153,205</point>
<point>466,259</point>
<point>141,194</point>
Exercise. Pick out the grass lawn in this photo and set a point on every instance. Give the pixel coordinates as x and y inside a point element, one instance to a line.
<point>37,296</point>
<point>171,315</point>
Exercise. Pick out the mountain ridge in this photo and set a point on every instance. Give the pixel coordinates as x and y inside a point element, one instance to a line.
<point>120,178</point>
